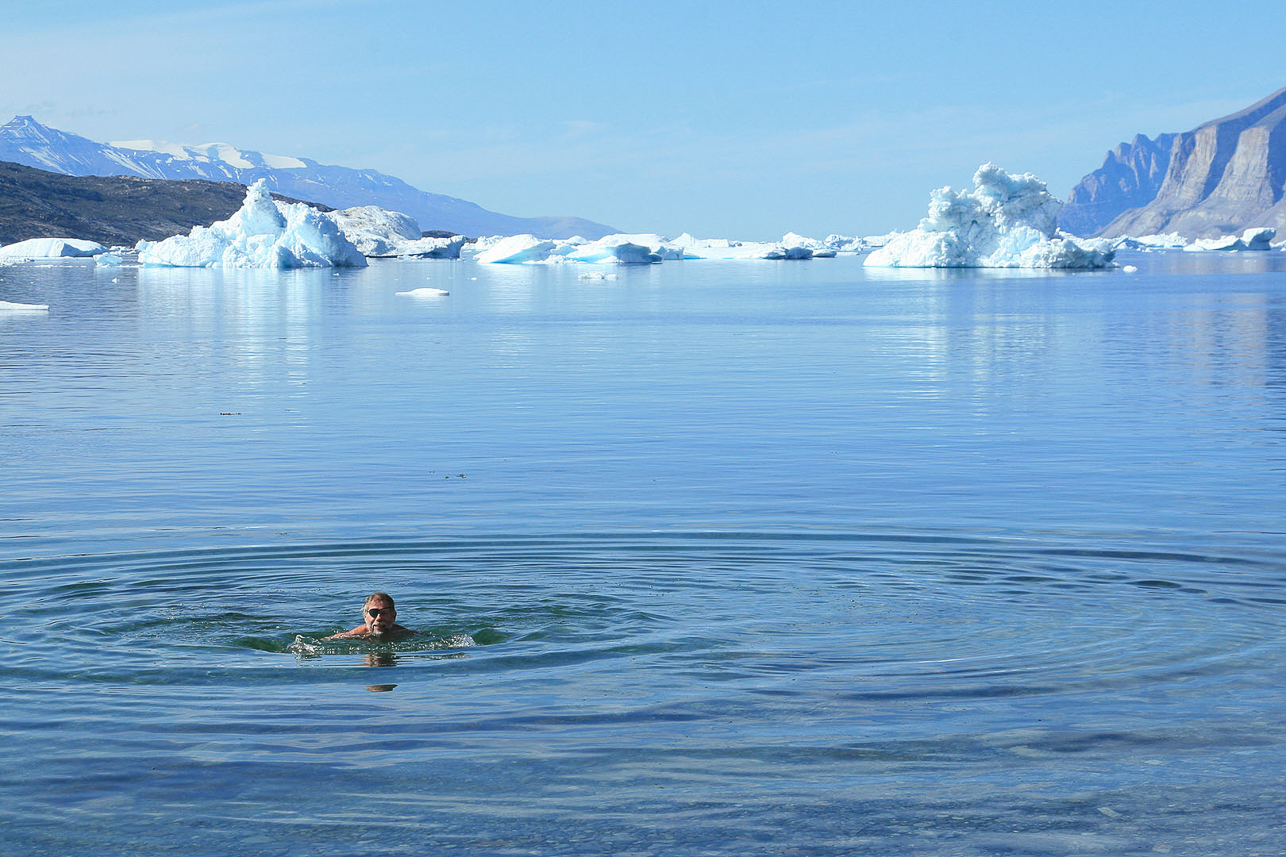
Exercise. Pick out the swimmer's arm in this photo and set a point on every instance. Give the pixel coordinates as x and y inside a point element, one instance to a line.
<point>359,631</point>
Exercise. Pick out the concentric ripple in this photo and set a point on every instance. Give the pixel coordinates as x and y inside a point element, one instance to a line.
<point>920,614</point>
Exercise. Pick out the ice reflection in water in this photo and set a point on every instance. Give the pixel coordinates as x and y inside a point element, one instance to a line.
<point>756,557</point>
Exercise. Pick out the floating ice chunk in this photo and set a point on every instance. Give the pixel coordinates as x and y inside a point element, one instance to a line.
<point>376,231</point>
<point>9,306</point>
<point>1006,221</point>
<point>262,234</point>
<point>1255,238</point>
<point>1168,241</point>
<point>845,244</point>
<point>623,250</point>
<point>108,260</point>
<point>727,250</point>
<point>425,292</point>
<point>380,233</point>
<point>1226,243</point>
<point>1259,238</point>
<point>1130,269</point>
<point>595,275</point>
<point>50,248</point>
<point>517,249</point>
<point>432,248</point>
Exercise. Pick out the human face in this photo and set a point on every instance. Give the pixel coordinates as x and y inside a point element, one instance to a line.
<point>380,617</point>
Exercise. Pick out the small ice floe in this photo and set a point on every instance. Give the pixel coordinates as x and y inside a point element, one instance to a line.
<point>108,260</point>
<point>1130,269</point>
<point>425,292</point>
<point>9,306</point>
<point>50,248</point>
<point>516,250</point>
<point>596,275</point>
<point>1257,238</point>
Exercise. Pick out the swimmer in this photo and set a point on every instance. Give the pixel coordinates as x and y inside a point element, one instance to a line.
<point>381,621</point>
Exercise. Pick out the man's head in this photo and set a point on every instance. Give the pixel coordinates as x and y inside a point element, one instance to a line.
<point>379,613</point>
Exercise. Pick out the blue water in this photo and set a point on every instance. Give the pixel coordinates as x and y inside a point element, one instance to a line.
<point>711,558</point>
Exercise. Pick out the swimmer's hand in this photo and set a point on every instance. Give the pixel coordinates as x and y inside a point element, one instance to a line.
<point>366,632</point>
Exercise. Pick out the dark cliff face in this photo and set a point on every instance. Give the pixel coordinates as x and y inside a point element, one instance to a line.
<point>1219,178</point>
<point>1131,175</point>
<point>112,211</point>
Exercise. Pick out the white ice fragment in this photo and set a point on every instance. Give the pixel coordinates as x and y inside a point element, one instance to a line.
<point>623,249</point>
<point>1006,221</point>
<point>1256,238</point>
<point>432,248</point>
<point>376,231</point>
<point>50,248</point>
<point>9,306</point>
<point>424,292</point>
<point>262,234</point>
<point>1168,241</point>
<point>516,249</point>
<point>108,260</point>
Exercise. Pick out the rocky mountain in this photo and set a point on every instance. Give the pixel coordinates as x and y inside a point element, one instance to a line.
<point>25,141</point>
<point>1220,178</point>
<point>112,211</point>
<point>1130,177</point>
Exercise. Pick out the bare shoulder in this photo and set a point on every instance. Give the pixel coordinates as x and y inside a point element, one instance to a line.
<point>359,631</point>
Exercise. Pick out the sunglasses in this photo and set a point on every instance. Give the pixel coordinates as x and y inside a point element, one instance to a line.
<point>378,611</point>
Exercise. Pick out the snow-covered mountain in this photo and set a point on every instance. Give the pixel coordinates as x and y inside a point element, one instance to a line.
<point>25,141</point>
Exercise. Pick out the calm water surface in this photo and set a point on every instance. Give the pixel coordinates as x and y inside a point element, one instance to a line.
<point>709,558</point>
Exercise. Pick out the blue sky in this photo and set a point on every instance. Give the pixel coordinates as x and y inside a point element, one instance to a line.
<point>740,120</point>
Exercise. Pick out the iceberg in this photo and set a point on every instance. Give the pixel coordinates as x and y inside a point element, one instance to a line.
<point>10,306</point>
<point>516,250</point>
<point>380,233</point>
<point>791,246</point>
<point>1006,221</point>
<point>50,248</point>
<point>376,231</point>
<point>432,248</point>
<point>262,234</point>
<point>424,292</point>
<point>1255,238</point>
<point>1148,243</point>
<point>625,249</point>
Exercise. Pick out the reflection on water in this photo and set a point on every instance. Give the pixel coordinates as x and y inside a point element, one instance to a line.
<point>706,559</point>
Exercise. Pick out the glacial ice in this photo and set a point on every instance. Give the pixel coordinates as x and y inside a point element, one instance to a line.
<point>50,248</point>
<point>517,249</point>
<point>10,306</point>
<point>380,233</point>
<point>424,292</point>
<point>262,234</point>
<point>1255,238</point>
<point>1006,221</point>
<point>376,231</point>
<point>1146,243</point>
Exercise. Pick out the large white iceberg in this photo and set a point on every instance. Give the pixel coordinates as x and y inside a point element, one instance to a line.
<point>50,248</point>
<point>262,234</point>
<point>1006,221</point>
